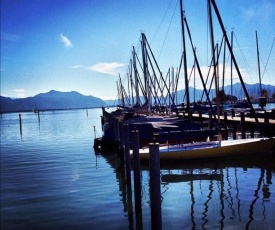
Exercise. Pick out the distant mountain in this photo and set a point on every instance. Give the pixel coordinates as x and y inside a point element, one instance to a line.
<point>50,100</point>
<point>237,90</point>
<point>252,89</point>
<point>111,102</point>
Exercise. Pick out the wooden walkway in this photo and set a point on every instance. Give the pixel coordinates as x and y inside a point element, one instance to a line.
<point>237,124</point>
<point>235,119</point>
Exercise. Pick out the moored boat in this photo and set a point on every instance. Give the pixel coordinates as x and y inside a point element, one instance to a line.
<point>213,149</point>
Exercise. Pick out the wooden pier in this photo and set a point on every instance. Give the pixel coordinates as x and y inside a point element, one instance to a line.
<point>247,126</point>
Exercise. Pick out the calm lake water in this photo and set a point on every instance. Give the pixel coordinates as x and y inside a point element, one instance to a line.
<point>51,178</point>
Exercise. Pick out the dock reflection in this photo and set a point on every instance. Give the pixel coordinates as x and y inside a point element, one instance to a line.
<point>201,195</point>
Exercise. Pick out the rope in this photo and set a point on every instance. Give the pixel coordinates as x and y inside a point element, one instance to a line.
<point>168,30</point>
<point>244,59</point>
<point>268,57</point>
<point>161,21</point>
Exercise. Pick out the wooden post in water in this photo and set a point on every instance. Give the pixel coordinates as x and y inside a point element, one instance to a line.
<point>121,139</point>
<point>200,118</point>
<point>266,123</point>
<point>243,125</point>
<point>116,125</point>
<point>225,126</point>
<point>210,119</point>
<point>20,122</point>
<point>127,154</point>
<point>155,193</point>
<point>234,126</point>
<point>252,131</point>
<point>38,114</point>
<point>137,181</point>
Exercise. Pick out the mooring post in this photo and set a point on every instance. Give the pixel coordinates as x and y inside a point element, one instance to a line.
<point>128,175</point>
<point>200,118</point>
<point>191,114</point>
<point>136,162</point>
<point>234,125</point>
<point>225,126</point>
<point>210,119</point>
<point>121,143</point>
<point>127,154</point>
<point>243,125</point>
<point>266,123</point>
<point>252,131</point>
<point>117,133</point>
<point>38,114</point>
<point>20,123</point>
<point>121,135</point>
<point>233,112</point>
<point>155,193</point>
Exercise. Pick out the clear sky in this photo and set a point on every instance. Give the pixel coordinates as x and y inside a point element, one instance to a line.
<point>82,45</point>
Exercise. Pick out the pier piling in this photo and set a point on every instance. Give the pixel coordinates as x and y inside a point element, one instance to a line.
<point>20,123</point>
<point>38,114</point>
<point>136,162</point>
<point>225,126</point>
<point>243,125</point>
<point>234,126</point>
<point>210,119</point>
<point>266,123</point>
<point>127,154</point>
<point>155,193</point>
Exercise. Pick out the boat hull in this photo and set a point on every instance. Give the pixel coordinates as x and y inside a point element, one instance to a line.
<point>227,148</point>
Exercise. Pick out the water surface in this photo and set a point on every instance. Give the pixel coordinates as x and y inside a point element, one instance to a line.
<point>52,178</point>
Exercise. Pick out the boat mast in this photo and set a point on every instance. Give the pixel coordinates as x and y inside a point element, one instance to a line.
<point>131,81</point>
<point>235,62</point>
<point>231,97</point>
<point>136,77</point>
<point>194,78</point>
<point>214,60</point>
<point>185,60</point>
<point>259,70</point>
<point>145,69</point>
<point>223,72</point>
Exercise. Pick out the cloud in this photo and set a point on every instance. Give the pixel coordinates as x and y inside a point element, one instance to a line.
<point>18,90</point>
<point>107,68</point>
<point>20,95</point>
<point>262,11</point>
<point>76,67</point>
<point>249,13</point>
<point>66,41</point>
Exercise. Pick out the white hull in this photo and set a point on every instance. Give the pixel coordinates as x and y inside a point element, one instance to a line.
<point>213,149</point>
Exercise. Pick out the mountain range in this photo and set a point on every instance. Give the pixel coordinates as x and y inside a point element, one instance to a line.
<point>237,91</point>
<point>50,101</point>
<point>73,100</point>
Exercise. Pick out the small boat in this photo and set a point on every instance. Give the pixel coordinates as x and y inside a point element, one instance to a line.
<point>213,149</point>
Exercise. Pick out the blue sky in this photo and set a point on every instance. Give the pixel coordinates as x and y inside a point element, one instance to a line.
<point>82,45</point>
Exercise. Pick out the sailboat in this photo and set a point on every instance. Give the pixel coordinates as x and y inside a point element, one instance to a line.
<point>217,148</point>
<point>213,149</point>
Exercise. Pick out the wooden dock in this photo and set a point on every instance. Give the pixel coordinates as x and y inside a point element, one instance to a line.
<point>247,126</point>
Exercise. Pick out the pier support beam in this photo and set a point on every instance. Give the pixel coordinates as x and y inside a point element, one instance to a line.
<point>137,180</point>
<point>155,193</point>
<point>20,123</point>
<point>136,162</point>
<point>243,125</point>
<point>127,154</point>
